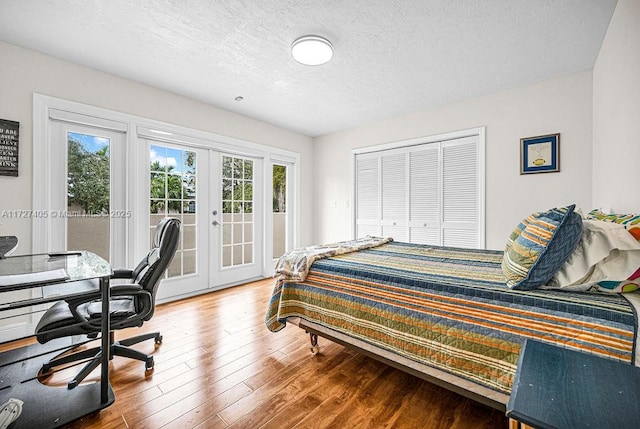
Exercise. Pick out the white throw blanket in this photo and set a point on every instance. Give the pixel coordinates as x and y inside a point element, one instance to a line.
<point>294,266</point>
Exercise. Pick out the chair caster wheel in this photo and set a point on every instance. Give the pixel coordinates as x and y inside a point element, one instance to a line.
<point>149,364</point>
<point>158,339</point>
<point>315,349</point>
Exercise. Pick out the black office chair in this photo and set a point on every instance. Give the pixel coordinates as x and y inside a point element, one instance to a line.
<point>130,305</point>
<point>8,243</point>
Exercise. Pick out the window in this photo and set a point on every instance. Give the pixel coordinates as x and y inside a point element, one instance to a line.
<point>279,210</point>
<point>428,192</point>
<point>88,193</point>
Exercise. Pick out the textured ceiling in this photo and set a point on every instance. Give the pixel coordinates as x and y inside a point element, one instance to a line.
<point>391,57</point>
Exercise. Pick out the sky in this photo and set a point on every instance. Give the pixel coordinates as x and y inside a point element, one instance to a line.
<point>89,142</point>
<point>166,156</point>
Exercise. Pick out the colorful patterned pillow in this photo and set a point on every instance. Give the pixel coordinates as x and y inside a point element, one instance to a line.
<point>539,246</point>
<point>630,285</point>
<point>631,221</point>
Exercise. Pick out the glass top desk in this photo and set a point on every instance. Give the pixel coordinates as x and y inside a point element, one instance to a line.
<point>60,276</point>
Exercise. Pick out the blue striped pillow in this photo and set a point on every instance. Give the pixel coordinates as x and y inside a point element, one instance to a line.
<point>539,246</point>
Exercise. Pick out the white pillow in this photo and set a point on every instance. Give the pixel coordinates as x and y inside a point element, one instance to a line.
<point>607,251</point>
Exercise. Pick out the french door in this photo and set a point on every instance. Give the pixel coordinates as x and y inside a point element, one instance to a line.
<point>237,218</point>
<point>217,196</point>
<point>177,187</point>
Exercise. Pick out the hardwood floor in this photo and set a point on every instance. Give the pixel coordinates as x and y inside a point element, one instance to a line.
<point>219,367</point>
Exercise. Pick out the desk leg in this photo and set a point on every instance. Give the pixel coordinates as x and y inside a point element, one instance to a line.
<point>514,424</point>
<point>106,343</point>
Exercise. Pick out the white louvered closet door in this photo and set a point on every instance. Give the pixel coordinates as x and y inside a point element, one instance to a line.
<point>460,192</point>
<point>393,196</point>
<point>427,193</point>
<point>367,195</point>
<point>424,194</point>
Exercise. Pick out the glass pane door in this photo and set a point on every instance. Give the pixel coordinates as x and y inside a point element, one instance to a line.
<point>178,178</point>
<point>238,225</point>
<point>215,196</point>
<point>173,193</point>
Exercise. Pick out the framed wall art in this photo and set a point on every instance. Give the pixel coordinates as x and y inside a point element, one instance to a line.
<point>9,147</point>
<point>540,154</point>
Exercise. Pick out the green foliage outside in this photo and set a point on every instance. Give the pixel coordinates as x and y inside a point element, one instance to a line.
<point>279,188</point>
<point>169,191</point>
<point>237,185</point>
<point>88,182</point>
<point>88,178</point>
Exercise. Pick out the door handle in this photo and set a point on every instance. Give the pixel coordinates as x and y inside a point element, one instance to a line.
<point>215,223</point>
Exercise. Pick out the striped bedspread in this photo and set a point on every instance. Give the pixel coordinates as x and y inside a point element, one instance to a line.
<point>450,309</point>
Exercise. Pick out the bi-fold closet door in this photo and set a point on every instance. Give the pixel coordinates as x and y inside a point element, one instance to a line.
<point>429,193</point>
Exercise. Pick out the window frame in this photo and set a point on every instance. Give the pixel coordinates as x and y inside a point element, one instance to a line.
<point>138,128</point>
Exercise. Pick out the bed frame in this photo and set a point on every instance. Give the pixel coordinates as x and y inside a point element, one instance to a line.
<point>440,378</point>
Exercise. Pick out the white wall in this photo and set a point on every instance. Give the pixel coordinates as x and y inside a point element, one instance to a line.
<point>561,105</point>
<point>24,72</point>
<point>595,112</point>
<point>616,113</point>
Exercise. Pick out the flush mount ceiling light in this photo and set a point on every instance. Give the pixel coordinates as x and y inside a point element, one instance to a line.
<point>312,50</point>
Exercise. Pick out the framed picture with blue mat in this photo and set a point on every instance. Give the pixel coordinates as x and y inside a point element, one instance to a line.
<point>540,154</point>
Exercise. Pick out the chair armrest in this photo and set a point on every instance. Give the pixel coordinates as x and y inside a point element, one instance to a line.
<point>143,305</point>
<point>115,291</point>
<point>122,274</point>
<point>144,301</point>
<point>128,289</point>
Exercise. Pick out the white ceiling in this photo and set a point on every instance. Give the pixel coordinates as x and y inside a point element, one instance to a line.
<point>392,57</point>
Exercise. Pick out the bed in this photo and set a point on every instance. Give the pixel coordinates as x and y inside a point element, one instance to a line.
<point>453,316</point>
